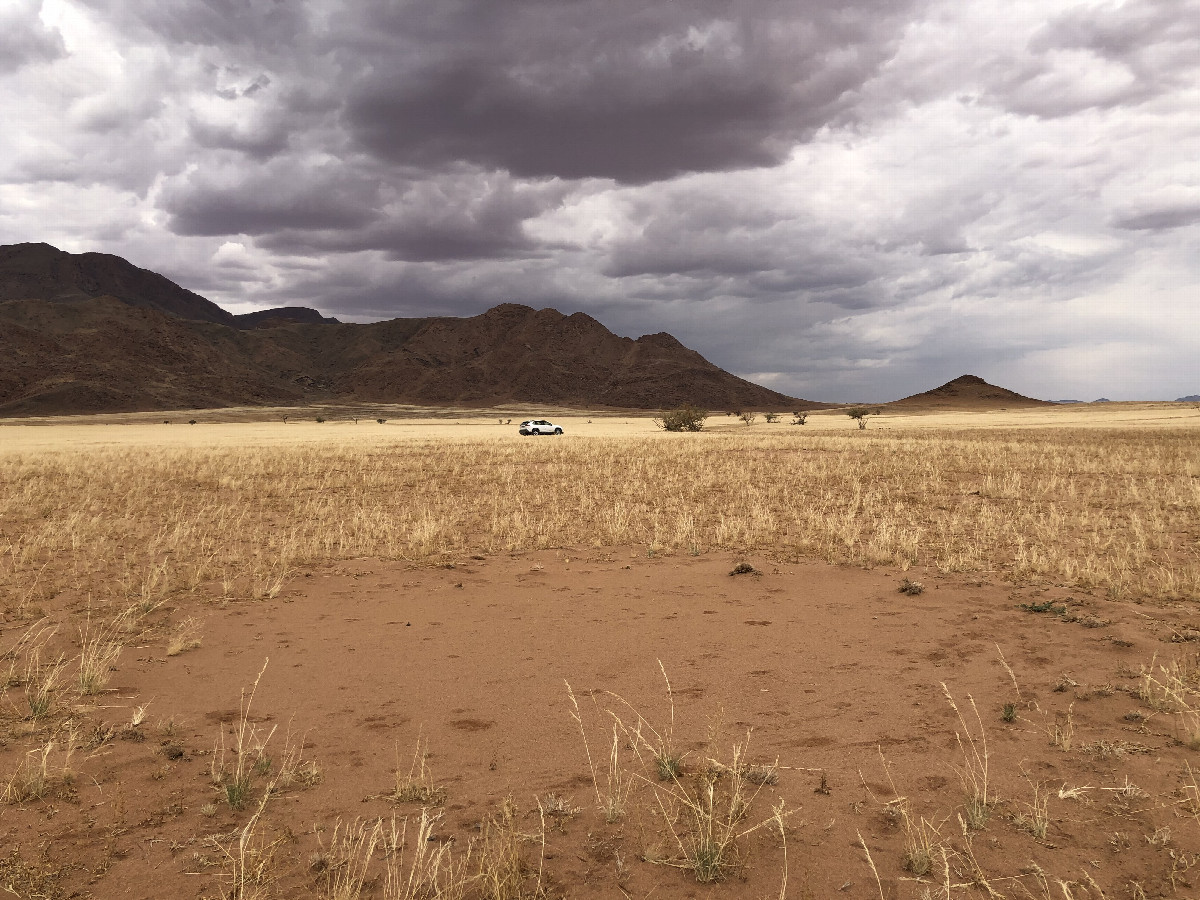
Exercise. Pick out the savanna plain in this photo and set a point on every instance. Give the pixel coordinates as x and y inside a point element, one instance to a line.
<point>419,656</point>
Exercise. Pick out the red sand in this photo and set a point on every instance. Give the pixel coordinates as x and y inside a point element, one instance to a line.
<point>827,666</point>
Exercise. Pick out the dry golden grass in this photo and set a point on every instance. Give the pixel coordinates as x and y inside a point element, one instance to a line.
<point>131,523</point>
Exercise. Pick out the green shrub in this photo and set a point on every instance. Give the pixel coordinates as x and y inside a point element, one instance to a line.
<point>684,418</point>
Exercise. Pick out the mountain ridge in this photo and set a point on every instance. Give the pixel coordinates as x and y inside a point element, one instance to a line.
<point>106,336</point>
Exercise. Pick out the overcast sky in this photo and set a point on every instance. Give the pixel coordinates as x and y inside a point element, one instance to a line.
<point>858,199</point>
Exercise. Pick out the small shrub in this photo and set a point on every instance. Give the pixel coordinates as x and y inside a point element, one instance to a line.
<point>1009,713</point>
<point>799,418</point>
<point>683,418</point>
<point>320,420</point>
<point>771,417</point>
<point>744,568</point>
<point>748,417</point>
<point>1045,606</point>
<point>381,421</point>
<point>859,414</point>
<point>191,421</point>
<point>912,588</point>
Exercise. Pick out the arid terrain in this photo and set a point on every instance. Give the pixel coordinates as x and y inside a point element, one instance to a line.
<point>426,657</point>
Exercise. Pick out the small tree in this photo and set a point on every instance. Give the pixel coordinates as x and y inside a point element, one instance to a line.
<point>799,418</point>
<point>859,414</point>
<point>684,418</point>
<point>748,418</point>
<point>771,417</point>
<point>381,421</point>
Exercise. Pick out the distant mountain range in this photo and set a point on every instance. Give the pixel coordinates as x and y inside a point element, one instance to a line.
<point>91,332</point>
<point>1190,398</point>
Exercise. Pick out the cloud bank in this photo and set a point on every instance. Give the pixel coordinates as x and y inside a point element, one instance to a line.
<point>841,201</point>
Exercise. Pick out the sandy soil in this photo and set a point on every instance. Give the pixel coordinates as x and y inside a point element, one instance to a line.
<point>831,669</point>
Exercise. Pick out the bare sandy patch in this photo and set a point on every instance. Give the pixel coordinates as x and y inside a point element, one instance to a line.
<point>837,680</point>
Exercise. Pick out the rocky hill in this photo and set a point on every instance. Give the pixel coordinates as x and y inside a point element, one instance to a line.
<point>93,333</point>
<point>967,392</point>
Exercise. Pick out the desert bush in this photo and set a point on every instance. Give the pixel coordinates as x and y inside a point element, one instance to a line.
<point>799,418</point>
<point>859,414</point>
<point>683,418</point>
<point>771,417</point>
<point>748,417</point>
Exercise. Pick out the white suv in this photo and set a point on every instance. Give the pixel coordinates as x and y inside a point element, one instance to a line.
<point>539,426</point>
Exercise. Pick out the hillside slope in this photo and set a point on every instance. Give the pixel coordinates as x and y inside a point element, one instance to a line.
<point>967,392</point>
<point>103,355</point>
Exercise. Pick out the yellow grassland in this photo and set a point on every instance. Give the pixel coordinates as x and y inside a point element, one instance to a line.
<point>1095,497</point>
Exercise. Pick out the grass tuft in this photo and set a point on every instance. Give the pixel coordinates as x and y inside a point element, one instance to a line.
<point>418,786</point>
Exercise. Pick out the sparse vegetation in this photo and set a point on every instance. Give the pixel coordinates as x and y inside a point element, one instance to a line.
<point>100,645</point>
<point>417,784</point>
<point>799,418</point>
<point>704,811</point>
<point>860,414</point>
<point>748,417</point>
<point>248,751</point>
<point>973,771</point>
<point>185,637</point>
<point>683,418</point>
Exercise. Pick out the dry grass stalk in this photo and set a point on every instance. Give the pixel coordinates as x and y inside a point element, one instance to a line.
<point>706,813</point>
<point>618,781</point>
<point>32,640</point>
<point>417,786</point>
<point>41,770</point>
<point>1011,674</point>
<point>100,645</point>
<point>248,751</point>
<point>1035,815</point>
<point>1063,735</point>
<point>431,873</point>
<point>921,836</point>
<point>348,858</point>
<point>250,862</point>
<point>42,681</point>
<point>657,743</point>
<point>973,773</point>
<point>503,872</point>
<point>871,863</point>
<point>1174,688</point>
<point>185,637</point>
<point>293,769</point>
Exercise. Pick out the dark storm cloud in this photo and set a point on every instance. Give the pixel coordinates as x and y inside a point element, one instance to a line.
<point>456,215</point>
<point>262,142</point>
<point>609,89</point>
<point>24,38</point>
<point>273,198</point>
